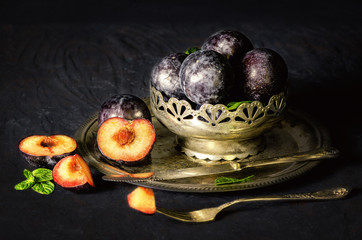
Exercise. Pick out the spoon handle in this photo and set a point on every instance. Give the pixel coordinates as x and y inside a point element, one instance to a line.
<point>316,154</point>
<point>328,194</point>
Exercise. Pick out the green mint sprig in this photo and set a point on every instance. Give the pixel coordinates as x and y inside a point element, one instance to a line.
<point>192,50</point>
<point>228,180</point>
<point>39,180</point>
<point>234,105</point>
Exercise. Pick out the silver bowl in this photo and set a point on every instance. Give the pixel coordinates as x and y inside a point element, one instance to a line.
<point>213,132</point>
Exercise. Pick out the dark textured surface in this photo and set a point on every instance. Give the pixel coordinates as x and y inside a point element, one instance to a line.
<point>59,62</point>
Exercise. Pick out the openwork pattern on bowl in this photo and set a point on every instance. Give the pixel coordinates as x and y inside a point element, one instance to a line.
<point>247,115</point>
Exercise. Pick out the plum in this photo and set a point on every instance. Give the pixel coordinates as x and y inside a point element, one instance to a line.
<point>126,106</point>
<point>165,75</point>
<point>142,199</point>
<point>265,74</point>
<point>206,77</point>
<point>233,45</point>
<point>46,151</point>
<point>138,175</point>
<point>230,43</point>
<point>126,141</point>
<point>73,173</point>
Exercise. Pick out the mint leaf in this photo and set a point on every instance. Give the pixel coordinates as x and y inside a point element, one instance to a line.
<point>46,187</point>
<point>28,174</point>
<point>234,105</point>
<point>228,180</point>
<point>28,183</point>
<point>192,50</point>
<point>43,174</point>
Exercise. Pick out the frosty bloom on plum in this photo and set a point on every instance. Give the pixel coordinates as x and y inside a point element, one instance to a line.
<point>165,75</point>
<point>206,77</point>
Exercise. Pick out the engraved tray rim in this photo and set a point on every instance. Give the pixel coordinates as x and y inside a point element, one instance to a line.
<point>296,170</point>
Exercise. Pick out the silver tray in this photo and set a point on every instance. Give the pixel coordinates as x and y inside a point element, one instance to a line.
<point>297,132</point>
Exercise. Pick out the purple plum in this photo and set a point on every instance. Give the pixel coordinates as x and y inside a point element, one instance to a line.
<point>206,77</point>
<point>165,75</point>
<point>230,43</point>
<point>265,74</point>
<point>233,45</point>
<point>124,106</point>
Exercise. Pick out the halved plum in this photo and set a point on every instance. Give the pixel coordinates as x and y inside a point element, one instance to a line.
<point>73,173</point>
<point>126,141</point>
<point>142,199</point>
<point>46,151</point>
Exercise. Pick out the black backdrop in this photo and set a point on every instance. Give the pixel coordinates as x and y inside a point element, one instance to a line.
<point>59,60</point>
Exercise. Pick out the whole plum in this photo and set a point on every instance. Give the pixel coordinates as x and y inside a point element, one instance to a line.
<point>265,73</point>
<point>125,106</point>
<point>230,43</point>
<point>165,75</point>
<point>233,45</point>
<point>206,77</point>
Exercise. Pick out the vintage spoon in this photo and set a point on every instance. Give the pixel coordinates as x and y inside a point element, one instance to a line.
<point>209,214</point>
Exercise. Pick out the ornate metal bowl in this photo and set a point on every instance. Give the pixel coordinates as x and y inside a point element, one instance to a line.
<point>213,132</point>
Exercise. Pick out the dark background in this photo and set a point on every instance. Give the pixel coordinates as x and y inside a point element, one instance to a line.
<point>59,60</point>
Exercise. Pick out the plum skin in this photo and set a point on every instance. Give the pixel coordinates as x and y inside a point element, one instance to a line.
<point>230,43</point>
<point>206,77</point>
<point>165,75</point>
<point>233,45</point>
<point>44,161</point>
<point>126,106</point>
<point>265,73</point>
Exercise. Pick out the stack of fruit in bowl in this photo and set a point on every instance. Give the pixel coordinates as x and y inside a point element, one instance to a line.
<point>227,90</point>
<point>226,68</point>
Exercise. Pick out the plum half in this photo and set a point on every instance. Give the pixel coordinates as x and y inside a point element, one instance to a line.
<point>206,77</point>
<point>125,106</point>
<point>265,73</point>
<point>165,75</point>
<point>126,141</point>
<point>46,151</point>
<point>73,173</point>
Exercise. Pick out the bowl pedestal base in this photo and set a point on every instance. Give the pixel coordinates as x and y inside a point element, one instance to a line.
<point>227,149</point>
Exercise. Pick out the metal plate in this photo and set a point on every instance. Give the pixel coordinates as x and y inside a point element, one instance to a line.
<point>295,133</point>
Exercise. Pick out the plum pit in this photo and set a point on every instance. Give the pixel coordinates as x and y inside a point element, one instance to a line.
<point>126,141</point>
<point>124,136</point>
<point>48,142</point>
